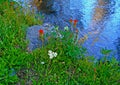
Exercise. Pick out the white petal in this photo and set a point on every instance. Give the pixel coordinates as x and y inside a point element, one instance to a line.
<point>42,62</point>
<point>50,54</point>
<point>50,51</point>
<point>51,57</point>
<point>55,54</point>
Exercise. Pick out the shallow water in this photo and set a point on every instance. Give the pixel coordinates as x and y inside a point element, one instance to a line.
<point>100,17</point>
<point>108,25</point>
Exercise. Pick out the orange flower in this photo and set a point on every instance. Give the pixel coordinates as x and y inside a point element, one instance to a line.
<point>70,20</point>
<point>41,32</point>
<point>75,22</point>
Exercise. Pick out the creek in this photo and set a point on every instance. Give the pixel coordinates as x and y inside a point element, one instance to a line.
<point>101,18</point>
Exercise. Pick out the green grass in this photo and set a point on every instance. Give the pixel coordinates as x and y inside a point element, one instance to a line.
<point>69,67</point>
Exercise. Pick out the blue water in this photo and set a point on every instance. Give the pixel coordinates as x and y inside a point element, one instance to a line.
<point>110,25</point>
<point>86,8</point>
<point>107,29</point>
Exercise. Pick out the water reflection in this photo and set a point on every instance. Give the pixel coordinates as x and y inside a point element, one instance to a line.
<point>106,21</point>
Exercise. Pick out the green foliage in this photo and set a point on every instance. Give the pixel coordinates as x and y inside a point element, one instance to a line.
<point>63,42</point>
<point>62,70</point>
<point>65,65</point>
<point>13,53</point>
<point>66,68</point>
<point>1,1</point>
<point>106,51</point>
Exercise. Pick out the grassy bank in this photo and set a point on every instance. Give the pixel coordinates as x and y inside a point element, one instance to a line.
<point>61,61</point>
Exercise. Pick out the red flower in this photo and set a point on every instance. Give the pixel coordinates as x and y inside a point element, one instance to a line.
<point>75,22</point>
<point>41,32</point>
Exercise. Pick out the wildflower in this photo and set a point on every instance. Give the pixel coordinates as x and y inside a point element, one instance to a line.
<point>66,28</point>
<point>55,54</point>
<point>52,54</point>
<point>51,57</point>
<point>41,36</point>
<point>50,51</point>
<point>70,20</point>
<point>63,62</point>
<point>75,22</point>
<point>41,32</point>
<point>42,63</point>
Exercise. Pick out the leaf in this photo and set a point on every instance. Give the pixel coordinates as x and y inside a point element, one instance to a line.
<point>105,51</point>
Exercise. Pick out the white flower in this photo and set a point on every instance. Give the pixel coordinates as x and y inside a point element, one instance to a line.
<point>66,28</point>
<point>51,57</point>
<point>52,54</point>
<point>55,54</point>
<point>50,51</point>
<point>42,62</point>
